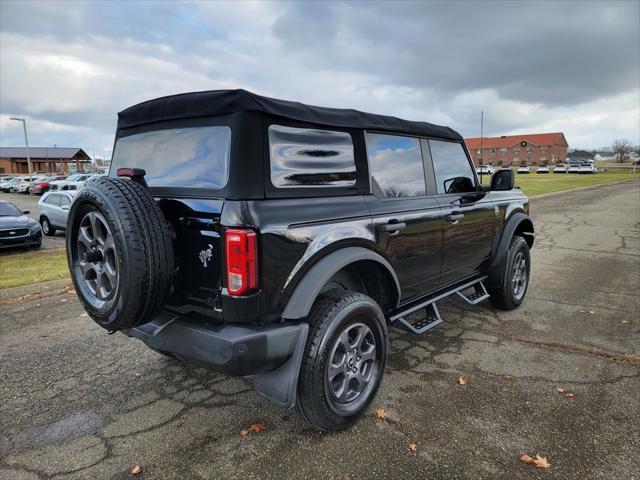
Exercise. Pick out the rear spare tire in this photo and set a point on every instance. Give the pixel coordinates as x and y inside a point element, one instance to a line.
<point>119,253</point>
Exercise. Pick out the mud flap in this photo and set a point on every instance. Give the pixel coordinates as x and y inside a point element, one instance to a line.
<point>280,385</point>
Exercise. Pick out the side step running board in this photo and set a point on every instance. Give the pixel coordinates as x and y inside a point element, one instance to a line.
<point>472,292</point>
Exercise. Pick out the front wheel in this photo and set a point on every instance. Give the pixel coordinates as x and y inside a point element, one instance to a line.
<point>514,271</point>
<point>344,360</point>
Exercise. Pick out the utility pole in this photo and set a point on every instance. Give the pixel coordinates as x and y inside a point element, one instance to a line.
<point>26,140</point>
<point>481,149</point>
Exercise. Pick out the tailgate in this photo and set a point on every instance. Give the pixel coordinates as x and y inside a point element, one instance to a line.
<point>197,248</point>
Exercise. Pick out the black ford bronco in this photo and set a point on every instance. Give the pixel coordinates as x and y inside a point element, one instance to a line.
<point>262,237</point>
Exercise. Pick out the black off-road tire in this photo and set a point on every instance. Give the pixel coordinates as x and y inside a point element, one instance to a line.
<point>47,229</point>
<point>142,253</point>
<point>333,312</point>
<point>502,295</point>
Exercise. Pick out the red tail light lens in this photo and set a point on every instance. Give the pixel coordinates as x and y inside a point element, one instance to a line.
<point>242,261</point>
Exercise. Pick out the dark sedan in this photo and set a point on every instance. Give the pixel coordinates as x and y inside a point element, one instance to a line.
<point>17,229</point>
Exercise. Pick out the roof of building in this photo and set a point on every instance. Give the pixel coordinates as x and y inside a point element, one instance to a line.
<point>224,102</point>
<point>511,140</point>
<point>44,152</point>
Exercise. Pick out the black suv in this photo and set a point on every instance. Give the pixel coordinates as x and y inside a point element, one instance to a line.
<point>263,237</point>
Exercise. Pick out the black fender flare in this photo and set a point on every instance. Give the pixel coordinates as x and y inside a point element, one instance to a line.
<point>306,292</point>
<point>513,223</point>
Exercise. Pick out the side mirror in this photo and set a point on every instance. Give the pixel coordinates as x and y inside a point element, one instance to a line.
<point>503,180</point>
<point>26,212</point>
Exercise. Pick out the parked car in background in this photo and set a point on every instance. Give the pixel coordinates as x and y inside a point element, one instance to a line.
<point>53,210</point>
<point>38,187</point>
<point>560,168</point>
<point>73,182</point>
<point>542,169</point>
<point>524,169</point>
<point>23,185</point>
<point>7,182</point>
<point>17,229</point>
<point>485,170</point>
<point>587,168</point>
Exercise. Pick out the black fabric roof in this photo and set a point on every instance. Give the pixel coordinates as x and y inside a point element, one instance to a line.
<point>223,102</point>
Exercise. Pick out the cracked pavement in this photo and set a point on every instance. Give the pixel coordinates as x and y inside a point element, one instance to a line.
<point>77,403</point>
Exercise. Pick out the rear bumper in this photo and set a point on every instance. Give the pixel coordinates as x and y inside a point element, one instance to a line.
<point>230,349</point>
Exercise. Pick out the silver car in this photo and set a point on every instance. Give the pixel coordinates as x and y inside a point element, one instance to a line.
<point>53,210</point>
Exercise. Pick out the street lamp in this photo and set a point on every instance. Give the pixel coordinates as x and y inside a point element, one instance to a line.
<point>26,140</point>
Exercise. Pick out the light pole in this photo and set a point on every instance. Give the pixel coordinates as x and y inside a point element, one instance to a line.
<point>26,139</point>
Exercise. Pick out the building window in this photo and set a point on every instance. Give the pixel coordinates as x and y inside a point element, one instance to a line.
<point>515,159</point>
<point>516,149</point>
<point>529,149</point>
<point>492,150</point>
<point>543,159</point>
<point>504,149</point>
<point>544,148</point>
<point>477,152</point>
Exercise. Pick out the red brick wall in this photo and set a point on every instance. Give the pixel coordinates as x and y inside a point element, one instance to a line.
<point>538,154</point>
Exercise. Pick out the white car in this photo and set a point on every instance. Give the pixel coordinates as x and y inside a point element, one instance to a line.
<point>560,168</point>
<point>573,168</point>
<point>7,182</point>
<point>587,168</point>
<point>524,169</point>
<point>485,170</point>
<point>22,186</point>
<point>72,182</point>
<point>542,169</point>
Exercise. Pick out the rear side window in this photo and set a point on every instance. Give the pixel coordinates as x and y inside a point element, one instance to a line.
<point>305,157</point>
<point>53,199</point>
<point>395,164</point>
<point>64,201</point>
<point>452,168</point>
<point>195,157</point>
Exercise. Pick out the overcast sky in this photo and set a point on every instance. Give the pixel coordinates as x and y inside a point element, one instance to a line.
<point>69,67</point>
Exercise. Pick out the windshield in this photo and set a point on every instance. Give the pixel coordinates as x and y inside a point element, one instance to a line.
<point>179,157</point>
<point>9,210</point>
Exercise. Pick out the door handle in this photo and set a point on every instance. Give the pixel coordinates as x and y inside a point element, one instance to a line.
<point>392,227</point>
<point>455,217</point>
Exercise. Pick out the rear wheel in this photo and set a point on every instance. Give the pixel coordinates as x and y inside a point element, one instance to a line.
<point>47,229</point>
<point>509,291</point>
<point>344,360</point>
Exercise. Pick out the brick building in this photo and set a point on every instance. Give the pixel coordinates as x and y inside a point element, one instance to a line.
<point>44,160</point>
<point>533,149</point>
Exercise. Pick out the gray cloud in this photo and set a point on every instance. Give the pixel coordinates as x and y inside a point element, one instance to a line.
<point>531,66</point>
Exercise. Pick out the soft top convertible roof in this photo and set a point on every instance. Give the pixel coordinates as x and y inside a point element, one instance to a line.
<point>224,102</point>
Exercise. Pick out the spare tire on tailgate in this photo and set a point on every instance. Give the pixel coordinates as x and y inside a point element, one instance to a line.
<point>119,252</point>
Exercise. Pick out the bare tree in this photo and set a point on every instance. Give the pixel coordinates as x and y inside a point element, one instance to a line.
<point>621,149</point>
<point>393,191</point>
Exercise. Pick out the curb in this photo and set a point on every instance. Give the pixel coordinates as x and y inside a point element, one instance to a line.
<point>577,189</point>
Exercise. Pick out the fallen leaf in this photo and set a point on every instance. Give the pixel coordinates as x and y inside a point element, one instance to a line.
<point>526,458</point>
<point>380,413</point>
<point>561,390</point>
<point>592,312</point>
<point>462,381</point>
<point>412,447</point>
<point>69,289</point>
<point>540,462</point>
<point>137,470</point>
<point>508,377</point>
<point>568,395</point>
<point>624,321</point>
<point>254,427</point>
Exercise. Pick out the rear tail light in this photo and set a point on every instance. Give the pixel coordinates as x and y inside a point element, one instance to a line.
<point>242,261</point>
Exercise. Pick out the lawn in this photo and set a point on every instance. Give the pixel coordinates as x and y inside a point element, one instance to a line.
<point>33,266</point>
<point>534,184</point>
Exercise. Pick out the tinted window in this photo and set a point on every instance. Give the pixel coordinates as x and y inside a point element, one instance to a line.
<point>9,210</point>
<point>452,169</point>
<point>310,158</point>
<point>178,157</point>
<point>395,165</point>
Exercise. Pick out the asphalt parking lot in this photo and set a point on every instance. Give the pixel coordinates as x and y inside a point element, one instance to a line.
<point>30,202</point>
<point>78,403</point>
